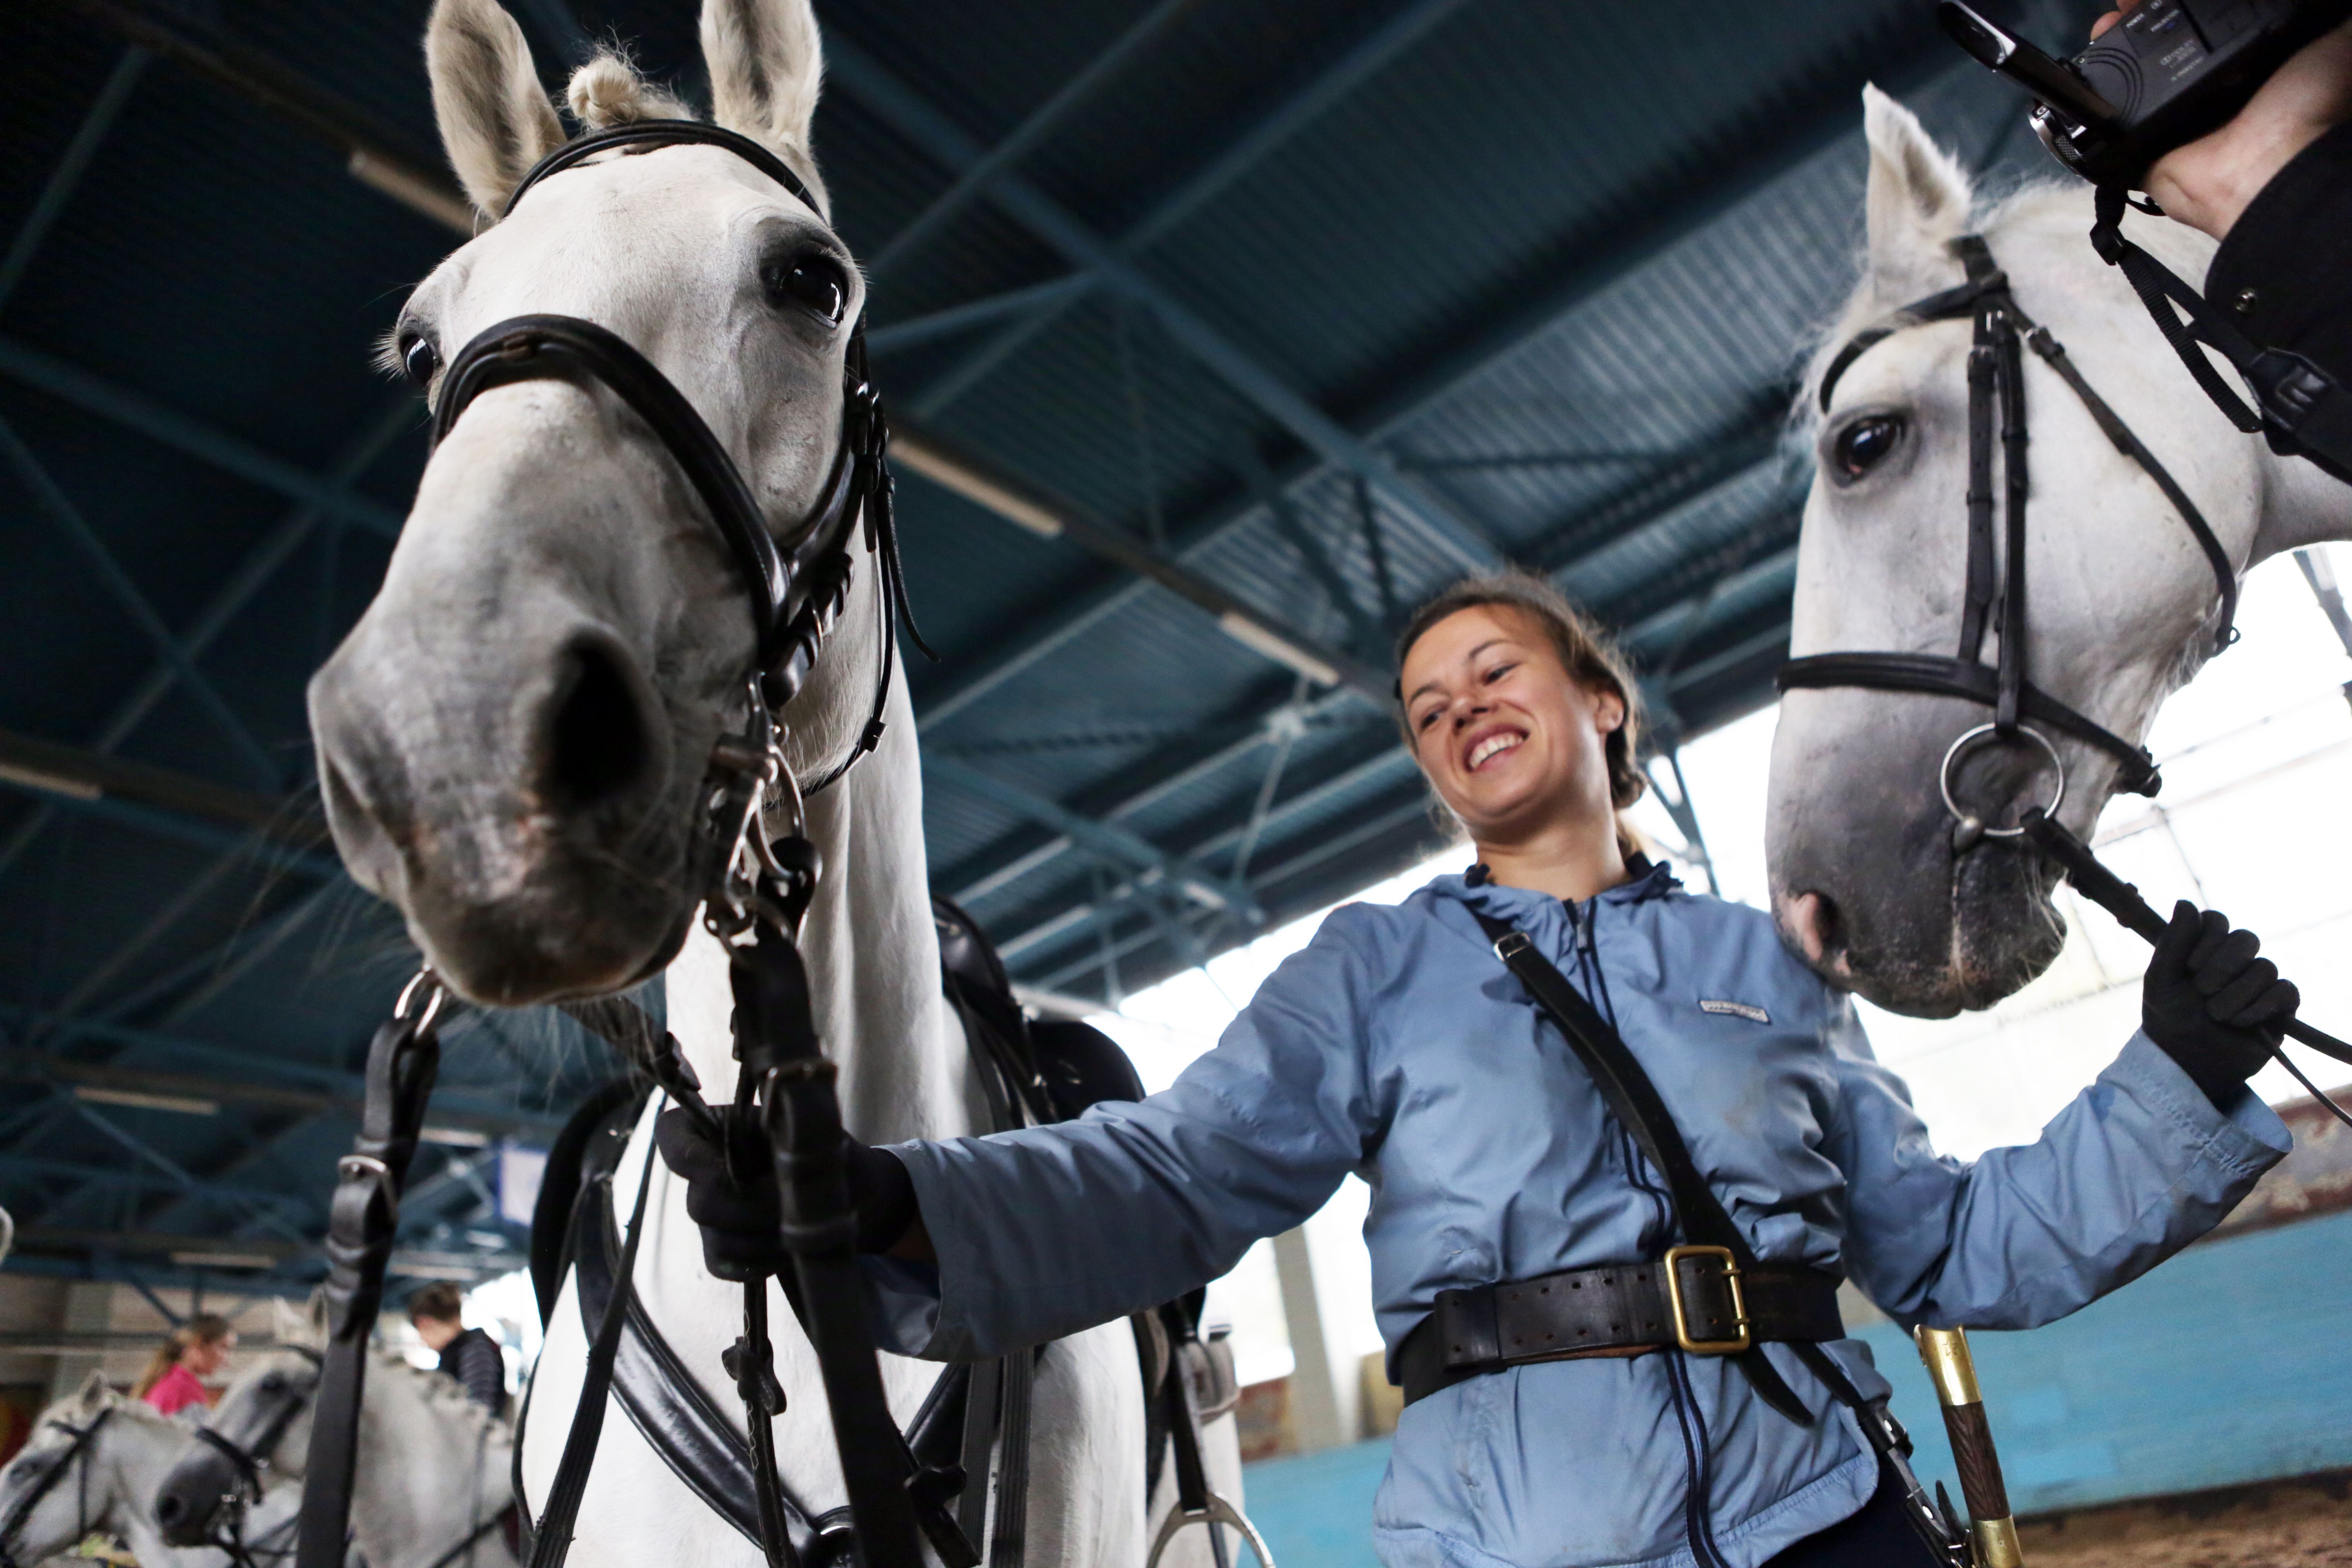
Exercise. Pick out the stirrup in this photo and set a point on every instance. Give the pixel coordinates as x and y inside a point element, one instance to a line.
<point>1215,1511</point>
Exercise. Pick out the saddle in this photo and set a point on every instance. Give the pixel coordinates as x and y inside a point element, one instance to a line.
<point>1030,1072</point>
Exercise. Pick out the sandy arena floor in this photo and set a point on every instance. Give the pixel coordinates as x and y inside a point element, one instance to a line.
<point>2304,1523</point>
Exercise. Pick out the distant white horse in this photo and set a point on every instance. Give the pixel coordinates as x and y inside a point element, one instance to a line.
<point>2121,607</point>
<point>433,1480</point>
<point>93,1463</point>
<point>514,738</point>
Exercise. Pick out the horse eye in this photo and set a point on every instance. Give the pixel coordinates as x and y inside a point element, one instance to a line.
<point>811,280</point>
<point>271,1381</point>
<point>1863,445</point>
<point>420,358</point>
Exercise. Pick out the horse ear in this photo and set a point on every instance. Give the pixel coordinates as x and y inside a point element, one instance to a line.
<point>767,65</point>
<point>495,118</point>
<point>289,1325</point>
<point>95,1392</point>
<point>1919,202</point>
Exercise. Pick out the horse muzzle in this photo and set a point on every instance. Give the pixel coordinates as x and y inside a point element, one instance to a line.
<point>195,1495</point>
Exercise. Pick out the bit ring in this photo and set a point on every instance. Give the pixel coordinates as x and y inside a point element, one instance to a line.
<point>1970,822</point>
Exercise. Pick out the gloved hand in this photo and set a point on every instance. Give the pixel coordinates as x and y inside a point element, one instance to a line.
<point>2212,1006</point>
<point>740,1220</point>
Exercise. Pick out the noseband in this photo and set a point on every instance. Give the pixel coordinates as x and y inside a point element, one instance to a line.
<point>1997,376</point>
<point>251,1462</point>
<point>796,592</point>
<point>12,1524</point>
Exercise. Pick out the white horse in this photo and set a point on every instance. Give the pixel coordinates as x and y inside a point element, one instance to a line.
<point>433,1477</point>
<point>2122,603</point>
<point>94,1462</point>
<point>513,739</point>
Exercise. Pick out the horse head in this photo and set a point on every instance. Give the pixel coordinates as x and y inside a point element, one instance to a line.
<point>1870,882</point>
<point>514,741</point>
<point>260,1430</point>
<point>57,1490</point>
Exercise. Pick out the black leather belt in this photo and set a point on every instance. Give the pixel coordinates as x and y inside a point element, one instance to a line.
<point>1695,1299</point>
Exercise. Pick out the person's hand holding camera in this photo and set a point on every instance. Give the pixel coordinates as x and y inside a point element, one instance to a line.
<point>2207,182</point>
<point>2212,1005</point>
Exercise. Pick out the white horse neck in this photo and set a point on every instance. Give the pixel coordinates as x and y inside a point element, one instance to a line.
<point>2300,506</point>
<point>432,1468</point>
<point>872,951</point>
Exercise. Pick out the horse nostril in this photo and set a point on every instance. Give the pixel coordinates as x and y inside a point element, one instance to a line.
<point>1818,925</point>
<point>170,1507</point>
<point>597,744</point>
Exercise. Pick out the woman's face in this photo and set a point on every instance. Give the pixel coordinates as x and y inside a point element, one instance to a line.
<point>1512,744</point>
<point>205,1358</point>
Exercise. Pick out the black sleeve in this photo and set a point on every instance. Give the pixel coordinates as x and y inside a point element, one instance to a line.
<point>2284,273</point>
<point>482,1370</point>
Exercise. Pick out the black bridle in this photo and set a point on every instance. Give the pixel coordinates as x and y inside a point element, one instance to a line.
<point>796,592</point>
<point>758,889</point>
<point>249,1463</point>
<point>1997,377</point>
<point>12,1525</point>
<point>1995,583</point>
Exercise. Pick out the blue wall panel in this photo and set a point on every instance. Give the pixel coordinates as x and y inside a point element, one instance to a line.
<point>2225,1365</point>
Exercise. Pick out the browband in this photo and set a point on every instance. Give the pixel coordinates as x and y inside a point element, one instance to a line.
<point>665,133</point>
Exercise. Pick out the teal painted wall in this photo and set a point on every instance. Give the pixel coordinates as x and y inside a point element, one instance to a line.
<point>2226,1365</point>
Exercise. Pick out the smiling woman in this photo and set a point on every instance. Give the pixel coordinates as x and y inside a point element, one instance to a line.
<point>1621,1147</point>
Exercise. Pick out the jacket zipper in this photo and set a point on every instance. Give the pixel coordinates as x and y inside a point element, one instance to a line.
<point>1698,1522</point>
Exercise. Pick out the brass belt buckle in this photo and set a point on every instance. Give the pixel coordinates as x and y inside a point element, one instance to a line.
<point>1745,1340</point>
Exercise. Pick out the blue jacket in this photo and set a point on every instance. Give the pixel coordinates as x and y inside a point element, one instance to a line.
<point>1396,1045</point>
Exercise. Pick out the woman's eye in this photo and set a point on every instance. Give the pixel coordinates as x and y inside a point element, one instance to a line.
<point>1499,671</point>
<point>1863,445</point>
<point>419,359</point>
<point>814,281</point>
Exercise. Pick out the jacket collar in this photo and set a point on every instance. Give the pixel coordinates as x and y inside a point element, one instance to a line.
<point>1540,915</point>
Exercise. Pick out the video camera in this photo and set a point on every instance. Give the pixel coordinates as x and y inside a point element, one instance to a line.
<point>2167,73</point>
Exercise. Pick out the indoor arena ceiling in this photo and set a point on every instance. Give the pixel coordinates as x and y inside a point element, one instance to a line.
<point>1219,332</point>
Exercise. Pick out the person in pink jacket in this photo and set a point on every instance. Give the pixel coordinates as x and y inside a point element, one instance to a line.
<point>195,1350</point>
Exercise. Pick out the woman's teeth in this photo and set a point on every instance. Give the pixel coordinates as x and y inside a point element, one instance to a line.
<point>1492,745</point>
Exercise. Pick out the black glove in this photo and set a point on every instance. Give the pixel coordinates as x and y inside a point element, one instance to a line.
<point>2211,1004</point>
<point>741,1219</point>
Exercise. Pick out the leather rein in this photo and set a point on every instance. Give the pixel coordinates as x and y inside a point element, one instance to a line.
<point>1995,586</point>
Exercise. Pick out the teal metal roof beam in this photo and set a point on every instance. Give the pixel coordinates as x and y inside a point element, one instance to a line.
<point>1051,518</point>
<point>955,318</point>
<point>70,166</point>
<point>1291,114</point>
<point>1026,137</point>
<point>134,411</point>
<point>1122,847</point>
<point>940,138</point>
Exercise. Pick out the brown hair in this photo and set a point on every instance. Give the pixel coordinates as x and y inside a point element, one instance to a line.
<point>1587,655</point>
<point>441,1300</point>
<point>204,1328</point>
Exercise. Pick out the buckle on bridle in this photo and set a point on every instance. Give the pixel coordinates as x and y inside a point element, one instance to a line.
<point>1691,1344</point>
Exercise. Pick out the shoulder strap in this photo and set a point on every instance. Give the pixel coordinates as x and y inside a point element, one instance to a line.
<point>1635,1103</point>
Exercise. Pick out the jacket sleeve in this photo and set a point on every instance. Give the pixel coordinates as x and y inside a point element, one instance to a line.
<point>483,1371</point>
<point>2281,275</point>
<point>1049,1230</point>
<point>2136,1168</point>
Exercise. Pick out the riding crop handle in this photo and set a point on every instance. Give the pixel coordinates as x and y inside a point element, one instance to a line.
<point>2122,900</point>
<point>1992,1529</point>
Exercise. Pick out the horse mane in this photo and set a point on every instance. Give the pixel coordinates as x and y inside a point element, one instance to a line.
<point>442,1395</point>
<point>2054,216</point>
<point>113,1399</point>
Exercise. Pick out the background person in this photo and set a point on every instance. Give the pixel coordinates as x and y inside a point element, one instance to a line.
<point>470,1355</point>
<point>197,1349</point>
<point>1398,1047</point>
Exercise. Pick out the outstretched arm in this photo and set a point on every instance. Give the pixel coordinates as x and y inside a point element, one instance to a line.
<point>1043,1232</point>
<point>2141,1163</point>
